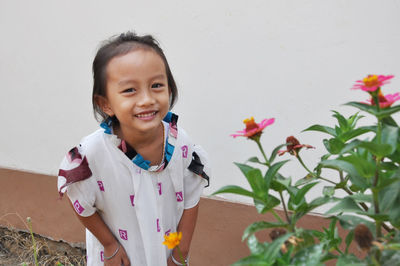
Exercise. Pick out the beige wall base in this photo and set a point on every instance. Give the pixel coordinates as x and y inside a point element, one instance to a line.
<point>217,239</point>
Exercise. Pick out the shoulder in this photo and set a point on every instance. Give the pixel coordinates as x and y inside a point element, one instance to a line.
<point>92,142</point>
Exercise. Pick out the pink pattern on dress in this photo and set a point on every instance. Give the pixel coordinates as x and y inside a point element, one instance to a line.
<point>167,233</point>
<point>159,188</point>
<point>101,186</point>
<point>173,132</point>
<point>179,196</point>
<point>102,255</point>
<point>185,150</point>
<point>123,234</point>
<point>78,207</point>
<point>158,225</point>
<point>132,197</point>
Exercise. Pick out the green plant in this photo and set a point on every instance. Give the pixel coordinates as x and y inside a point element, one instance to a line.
<point>366,160</point>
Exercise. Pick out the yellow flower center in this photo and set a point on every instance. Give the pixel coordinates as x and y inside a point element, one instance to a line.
<point>250,123</point>
<point>371,81</point>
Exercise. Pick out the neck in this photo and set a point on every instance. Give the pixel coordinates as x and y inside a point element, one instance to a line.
<point>139,140</point>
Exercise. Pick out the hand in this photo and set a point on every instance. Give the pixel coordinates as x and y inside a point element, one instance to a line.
<point>170,262</point>
<point>121,258</point>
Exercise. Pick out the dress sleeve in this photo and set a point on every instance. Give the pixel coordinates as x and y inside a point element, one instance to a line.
<point>196,178</point>
<point>74,179</point>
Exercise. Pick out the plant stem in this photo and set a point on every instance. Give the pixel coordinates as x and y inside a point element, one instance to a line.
<point>284,208</point>
<point>262,151</point>
<point>376,203</point>
<point>180,255</point>
<point>305,167</point>
<point>33,240</point>
<point>365,207</point>
<point>341,176</point>
<point>327,180</point>
<point>276,216</point>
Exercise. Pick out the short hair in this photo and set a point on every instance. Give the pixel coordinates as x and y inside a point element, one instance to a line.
<point>121,45</point>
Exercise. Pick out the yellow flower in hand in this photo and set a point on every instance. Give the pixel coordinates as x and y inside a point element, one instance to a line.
<point>172,239</point>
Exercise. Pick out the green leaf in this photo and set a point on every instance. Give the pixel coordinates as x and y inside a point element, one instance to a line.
<point>356,132</point>
<point>272,171</point>
<point>266,204</point>
<point>255,179</point>
<point>275,152</point>
<point>255,160</point>
<point>390,136</point>
<point>258,226</point>
<point>257,183</point>
<point>273,248</point>
<point>352,121</point>
<point>341,120</point>
<point>333,145</point>
<point>244,168</point>
<point>235,190</point>
<point>340,165</point>
<point>389,121</point>
<point>388,111</point>
<point>348,240</point>
<point>256,260</point>
<point>255,246</point>
<point>364,167</point>
<point>300,194</point>
<point>310,256</point>
<point>280,183</point>
<point>387,196</point>
<point>328,191</point>
<point>363,107</point>
<point>346,260</point>
<point>394,214</point>
<point>360,197</point>
<point>305,180</point>
<point>323,129</point>
<point>345,205</point>
<point>376,149</point>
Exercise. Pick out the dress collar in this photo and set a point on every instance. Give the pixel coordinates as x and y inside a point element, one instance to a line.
<point>171,119</point>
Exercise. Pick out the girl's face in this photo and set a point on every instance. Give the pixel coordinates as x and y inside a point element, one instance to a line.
<point>137,91</point>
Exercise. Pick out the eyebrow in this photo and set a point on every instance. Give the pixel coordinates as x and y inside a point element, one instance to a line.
<point>127,81</point>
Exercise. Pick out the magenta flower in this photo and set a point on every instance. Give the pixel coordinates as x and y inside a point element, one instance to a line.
<point>252,128</point>
<point>385,101</point>
<point>372,82</point>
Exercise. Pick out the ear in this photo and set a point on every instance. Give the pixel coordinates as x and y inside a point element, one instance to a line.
<point>103,103</point>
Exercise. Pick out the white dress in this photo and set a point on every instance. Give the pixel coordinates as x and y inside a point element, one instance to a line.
<point>138,205</point>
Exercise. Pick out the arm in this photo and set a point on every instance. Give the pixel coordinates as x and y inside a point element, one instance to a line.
<point>186,226</point>
<point>100,230</point>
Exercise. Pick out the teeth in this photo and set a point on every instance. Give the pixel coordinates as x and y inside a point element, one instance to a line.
<point>146,115</point>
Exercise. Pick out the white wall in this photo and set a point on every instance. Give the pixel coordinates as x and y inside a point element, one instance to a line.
<point>292,60</point>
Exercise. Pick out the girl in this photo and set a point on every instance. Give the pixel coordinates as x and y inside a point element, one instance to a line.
<point>140,176</point>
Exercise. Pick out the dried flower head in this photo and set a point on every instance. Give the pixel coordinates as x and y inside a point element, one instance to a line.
<point>293,146</point>
<point>363,237</point>
<point>277,232</point>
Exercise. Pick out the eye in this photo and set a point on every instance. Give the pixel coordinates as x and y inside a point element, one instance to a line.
<point>130,90</point>
<point>157,85</point>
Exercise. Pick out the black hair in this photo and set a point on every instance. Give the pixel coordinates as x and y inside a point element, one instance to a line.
<point>121,45</point>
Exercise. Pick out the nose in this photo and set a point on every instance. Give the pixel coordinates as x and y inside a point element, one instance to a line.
<point>146,98</point>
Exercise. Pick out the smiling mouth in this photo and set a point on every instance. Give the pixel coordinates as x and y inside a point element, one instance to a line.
<point>146,115</point>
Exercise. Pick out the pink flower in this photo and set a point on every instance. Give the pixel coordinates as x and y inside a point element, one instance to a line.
<point>372,82</point>
<point>252,128</point>
<point>293,146</point>
<point>385,101</point>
